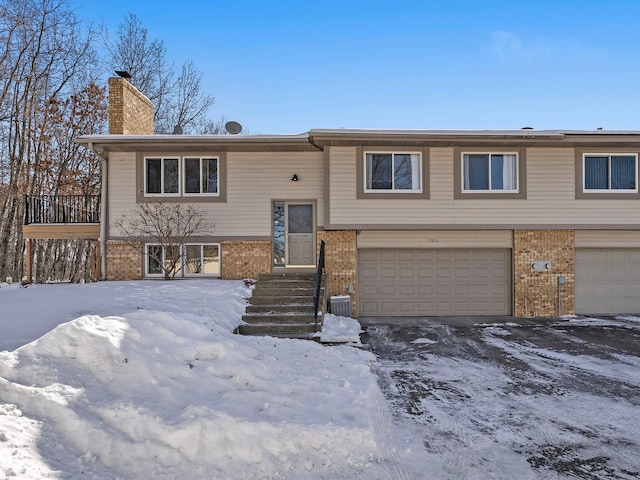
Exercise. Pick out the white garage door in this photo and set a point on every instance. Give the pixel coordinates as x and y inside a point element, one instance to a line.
<point>432,282</point>
<point>607,280</point>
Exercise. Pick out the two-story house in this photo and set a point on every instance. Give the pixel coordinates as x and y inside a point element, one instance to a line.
<point>416,223</point>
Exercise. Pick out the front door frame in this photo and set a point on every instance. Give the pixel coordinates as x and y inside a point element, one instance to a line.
<point>313,235</point>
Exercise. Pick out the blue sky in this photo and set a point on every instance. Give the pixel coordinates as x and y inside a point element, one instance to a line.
<point>289,66</point>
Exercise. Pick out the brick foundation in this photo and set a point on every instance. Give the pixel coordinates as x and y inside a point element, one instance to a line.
<point>536,293</point>
<point>341,259</point>
<point>245,259</point>
<point>124,261</point>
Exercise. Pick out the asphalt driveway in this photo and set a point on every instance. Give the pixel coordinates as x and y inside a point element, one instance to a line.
<point>509,398</point>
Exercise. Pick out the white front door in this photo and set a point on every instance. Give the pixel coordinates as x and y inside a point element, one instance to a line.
<point>293,234</point>
<point>299,234</point>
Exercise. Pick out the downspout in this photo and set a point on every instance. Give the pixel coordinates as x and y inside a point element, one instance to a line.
<point>103,213</point>
<point>312,142</point>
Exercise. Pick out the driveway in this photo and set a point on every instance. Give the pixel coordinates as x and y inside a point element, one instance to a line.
<point>505,398</point>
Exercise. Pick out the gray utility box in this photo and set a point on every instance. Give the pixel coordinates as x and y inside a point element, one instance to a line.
<point>340,306</point>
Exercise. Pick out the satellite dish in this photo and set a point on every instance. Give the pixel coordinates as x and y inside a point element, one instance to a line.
<point>233,128</point>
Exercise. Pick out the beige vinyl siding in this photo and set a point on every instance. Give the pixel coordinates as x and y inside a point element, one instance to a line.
<point>550,197</point>
<point>435,239</point>
<point>122,188</point>
<point>253,180</point>
<point>607,238</point>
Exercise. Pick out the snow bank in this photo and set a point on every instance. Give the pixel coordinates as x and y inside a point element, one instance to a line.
<point>170,392</point>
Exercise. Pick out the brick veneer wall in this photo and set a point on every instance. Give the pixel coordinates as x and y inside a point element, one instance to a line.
<point>536,293</point>
<point>341,258</point>
<point>245,259</point>
<point>124,261</point>
<point>130,112</point>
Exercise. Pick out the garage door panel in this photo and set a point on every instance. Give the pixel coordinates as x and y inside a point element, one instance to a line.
<point>463,273</point>
<point>422,306</point>
<point>407,308</point>
<point>388,308</point>
<point>407,272</point>
<point>370,290</point>
<point>425,256</point>
<point>607,280</point>
<point>434,282</point>
<point>406,256</point>
<point>422,272</point>
<point>444,273</point>
<point>425,290</point>
<point>386,289</point>
<point>388,256</point>
<point>407,289</point>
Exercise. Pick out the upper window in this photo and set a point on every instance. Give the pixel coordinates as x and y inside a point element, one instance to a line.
<point>200,176</point>
<point>162,176</point>
<point>181,176</point>
<point>392,172</point>
<point>490,172</point>
<point>610,173</point>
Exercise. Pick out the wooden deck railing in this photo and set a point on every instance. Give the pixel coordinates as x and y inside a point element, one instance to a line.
<point>46,209</point>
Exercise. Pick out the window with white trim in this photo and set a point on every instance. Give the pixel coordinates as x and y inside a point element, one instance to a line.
<point>392,172</point>
<point>157,256</point>
<point>200,176</point>
<point>195,259</point>
<point>490,172</point>
<point>182,176</point>
<point>610,173</point>
<point>162,176</point>
<point>202,259</point>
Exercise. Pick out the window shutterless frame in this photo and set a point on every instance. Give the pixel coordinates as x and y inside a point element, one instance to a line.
<point>612,173</point>
<point>195,260</point>
<point>155,256</point>
<point>518,178</point>
<point>202,260</point>
<point>162,176</point>
<point>201,176</point>
<point>395,172</point>
<point>490,172</point>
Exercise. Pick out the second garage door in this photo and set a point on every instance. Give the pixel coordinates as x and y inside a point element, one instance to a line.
<point>432,282</point>
<point>607,280</point>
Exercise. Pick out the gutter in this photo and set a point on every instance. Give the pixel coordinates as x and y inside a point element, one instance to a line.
<point>103,212</point>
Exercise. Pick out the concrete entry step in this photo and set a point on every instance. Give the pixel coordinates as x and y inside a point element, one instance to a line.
<point>280,308</point>
<point>282,305</point>
<point>278,330</point>
<point>279,318</point>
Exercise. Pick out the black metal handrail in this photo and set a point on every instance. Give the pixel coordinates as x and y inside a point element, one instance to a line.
<point>316,294</point>
<point>44,209</point>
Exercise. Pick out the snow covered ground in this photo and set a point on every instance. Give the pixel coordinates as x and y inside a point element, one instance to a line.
<point>146,380</point>
<point>133,380</point>
<point>528,399</point>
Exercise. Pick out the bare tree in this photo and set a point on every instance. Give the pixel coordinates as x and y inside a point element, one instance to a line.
<point>46,55</point>
<point>161,230</point>
<point>146,61</point>
<point>190,106</point>
<point>178,99</point>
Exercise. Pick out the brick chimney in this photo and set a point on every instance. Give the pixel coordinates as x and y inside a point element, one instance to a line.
<point>130,112</point>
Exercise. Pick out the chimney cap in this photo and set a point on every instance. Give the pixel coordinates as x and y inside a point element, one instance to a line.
<point>123,74</point>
